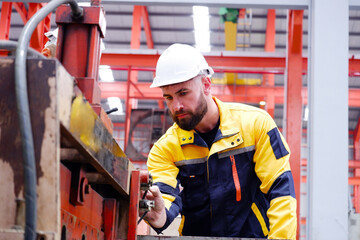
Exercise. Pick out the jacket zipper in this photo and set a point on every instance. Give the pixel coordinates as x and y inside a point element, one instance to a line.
<point>236,178</point>
<point>208,181</point>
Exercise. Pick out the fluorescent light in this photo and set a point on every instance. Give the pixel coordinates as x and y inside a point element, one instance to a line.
<point>102,45</point>
<point>201,26</point>
<point>114,102</point>
<point>105,73</point>
<point>84,4</point>
<point>306,114</point>
<point>262,103</point>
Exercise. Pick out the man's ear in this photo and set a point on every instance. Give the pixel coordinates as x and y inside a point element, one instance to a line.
<point>207,85</point>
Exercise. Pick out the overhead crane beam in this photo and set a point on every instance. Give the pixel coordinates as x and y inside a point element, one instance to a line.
<point>250,94</point>
<point>226,60</point>
<point>294,4</point>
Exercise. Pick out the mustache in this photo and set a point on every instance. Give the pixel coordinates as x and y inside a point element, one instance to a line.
<point>180,112</point>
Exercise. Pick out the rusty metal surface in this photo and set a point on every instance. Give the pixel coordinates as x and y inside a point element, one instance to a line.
<point>10,145</point>
<point>115,170</point>
<point>104,161</point>
<point>43,111</point>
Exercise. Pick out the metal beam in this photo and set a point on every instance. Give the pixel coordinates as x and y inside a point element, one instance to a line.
<point>356,189</point>
<point>269,79</point>
<point>6,10</point>
<point>295,4</point>
<point>284,4</point>
<point>249,94</point>
<point>294,99</point>
<point>22,11</point>
<point>149,58</point>
<point>147,27</point>
<point>136,28</point>
<point>356,137</point>
<point>328,120</point>
<point>142,58</point>
<point>278,4</point>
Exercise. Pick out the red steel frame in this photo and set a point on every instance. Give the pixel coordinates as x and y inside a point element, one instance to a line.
<point>356,188</point>
<point>38,38</point>
<point>294,99</point>
<point>134,204</point>
<point>228,62</point>
<point>110,218</point>
<point>139,12</point>
<point>250,94</point>
<point>132,75</point>
<point>82,60</point>
<point>269,79</point>
<point>5,20</point>
<point>81,219</point>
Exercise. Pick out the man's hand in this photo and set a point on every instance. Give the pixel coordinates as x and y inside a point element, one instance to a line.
<point>157,216</point>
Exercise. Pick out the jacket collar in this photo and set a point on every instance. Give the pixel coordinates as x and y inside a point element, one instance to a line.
<point>228,128</point>
<point>228,125</point>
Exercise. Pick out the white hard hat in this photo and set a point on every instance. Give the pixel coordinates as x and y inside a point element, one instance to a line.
<point>179,63</point>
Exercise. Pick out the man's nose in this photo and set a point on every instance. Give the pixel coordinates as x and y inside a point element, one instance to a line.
<point>177,105</point>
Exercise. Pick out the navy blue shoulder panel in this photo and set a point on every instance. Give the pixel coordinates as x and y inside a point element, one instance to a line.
<point>277,144</point>
<point>282,186</point>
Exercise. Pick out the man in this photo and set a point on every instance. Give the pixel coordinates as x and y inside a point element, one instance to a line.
<point>230,160</point>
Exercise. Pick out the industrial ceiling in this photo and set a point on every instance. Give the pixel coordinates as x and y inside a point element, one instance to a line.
<point>171,23</point>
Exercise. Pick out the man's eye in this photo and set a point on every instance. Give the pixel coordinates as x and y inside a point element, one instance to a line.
<point>183,93</point>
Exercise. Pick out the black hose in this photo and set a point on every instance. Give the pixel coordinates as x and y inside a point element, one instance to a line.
<point>12,45</point>
<point>111,110</point>
<point>24,115</point>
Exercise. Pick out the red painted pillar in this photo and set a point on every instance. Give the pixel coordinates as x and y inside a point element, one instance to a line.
<point>134,204</point>
<point>356,157</point>
<point>78,48</point>
<point>5,20</point>
<point>269,79</point>
<point>147,28</point>
<point>22,11</point>
<point>128,111</point>
<point>294,99</point>
<point>38,39</point>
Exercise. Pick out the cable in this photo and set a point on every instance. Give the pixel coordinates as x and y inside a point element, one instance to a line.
<point>111,110</point>
<point>11,46</point>
<point>141,218</point>
<point>144,214</point>
<point>24,113</point>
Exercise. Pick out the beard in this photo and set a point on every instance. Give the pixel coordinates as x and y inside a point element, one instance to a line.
<point>188,123</point>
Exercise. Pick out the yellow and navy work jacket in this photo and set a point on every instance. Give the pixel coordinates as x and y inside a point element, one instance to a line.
<point>241,187</point>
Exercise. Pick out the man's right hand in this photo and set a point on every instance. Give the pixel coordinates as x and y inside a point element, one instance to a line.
<point>157,216</point>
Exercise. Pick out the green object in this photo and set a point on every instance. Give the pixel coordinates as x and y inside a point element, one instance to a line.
<point>228,15</point>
